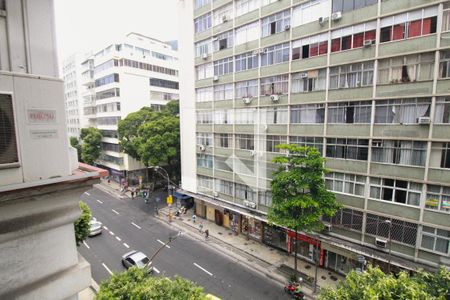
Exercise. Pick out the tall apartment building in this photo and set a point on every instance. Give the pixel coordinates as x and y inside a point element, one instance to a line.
<point>365,82</point>
<point>120,79</point>
<point>40,179</point>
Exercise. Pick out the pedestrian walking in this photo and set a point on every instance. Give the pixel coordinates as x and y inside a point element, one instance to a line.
<point>132,194</point>
<point>200,227</point>
<point>194,217</point>
<point>206,234</point>
<point>156,210</point>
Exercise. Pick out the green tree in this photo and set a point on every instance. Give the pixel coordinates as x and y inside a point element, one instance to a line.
<point>373,284</point>
<point>91,144</point>
<point>82,223</point>
<point>299,195</point>
<point>76,144</point>
<point>137,284</point>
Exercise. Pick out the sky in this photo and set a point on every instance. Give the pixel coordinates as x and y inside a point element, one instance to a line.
<point>84,25</point>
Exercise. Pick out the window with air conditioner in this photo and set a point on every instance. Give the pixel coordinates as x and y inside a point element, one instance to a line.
<point>8,144</point>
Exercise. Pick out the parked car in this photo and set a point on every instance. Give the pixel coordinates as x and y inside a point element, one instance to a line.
<point>95,227</point>
<point>136,258</point>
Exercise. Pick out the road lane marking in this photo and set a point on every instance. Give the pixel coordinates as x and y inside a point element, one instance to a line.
<point>114,211</point>
<point>118,238</point>
<point>101,202</point>
<point>203,269</point>
<point>86,245</point>
<point>162,243</point>
<point>126,245</point>
<point>106,228</point>
<point>107,269</point>
<point>87,193</point>
<point>156,270</point>
<point>135,225</point>
<point>111,233</point>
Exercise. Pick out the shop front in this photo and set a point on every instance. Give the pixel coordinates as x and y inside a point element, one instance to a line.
<point>276,237</point>
<point>305,246</point>
<point>252,228</point>
<point>340,260</point>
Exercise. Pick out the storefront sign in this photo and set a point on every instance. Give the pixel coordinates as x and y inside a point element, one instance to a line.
<point>305,238</point>
<point>41,116</point>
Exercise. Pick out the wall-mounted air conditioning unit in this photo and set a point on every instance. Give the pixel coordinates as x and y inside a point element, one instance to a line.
<point>327,227</point>
<point>380,243</point>
<point>424,120</point>
<point>336,16</point>
<point>322,20</point>
<point>247,100</point>
<point>202,147</point>
<point>215,194</point>
<point>275,98</point>
<point>216,78</point>
<point>224,19</point>
<point>249,204</point>
<point>256,52</point>
<point>377,143</point>
<point>252,152</point>
<point>303,75</point>
<point>368,43</point>
<point>205,55</point>
<point>287,27</point>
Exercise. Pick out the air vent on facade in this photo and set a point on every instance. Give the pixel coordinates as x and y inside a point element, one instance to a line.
<point>424,120</point>
<point>327,227</point>
<point>247,100</point>
<point>205,55</point>
<point>202,147</point>
<point>8,145</point>
<point>336,16</point>
<point>287,27</point>
<point>368,43</point>
<point>274,98</point>
<point>380,243</point>
<point>216,78</point>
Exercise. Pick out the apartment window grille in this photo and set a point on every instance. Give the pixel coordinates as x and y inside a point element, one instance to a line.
<point>403,111</point>
<point>205,139</point>
<point>247,88</point>
<point>223,92</point>
<point>220,163</point>
<point>108,94</point>
<point>346,5</point>
<point>224,187</point>
<point>222,15</point>
<point>307,113</point>
<point>446,17</point>
<point>245,141</point>
<point>394,190</point>
<point>353,37</point>
<point>435,239</point>
<point>224,116</point>
<point>358,112</point>
<point>205,161</point>
<point>205,182</point>
<point>345,148</point>
<point>245,116</point>
<point>265,198</point>
<point>223,140</point>
<point>309,81</point>
<point>346,183</point>
<point>347,218</point>
<point>202,23</point>
<point>438,197</point>
<point>223,66</point>
<point>444,64</point>
<point>275,23</point>
<point>223,41</point>
<point>245,6</point>
<point>308,141</point>
<point>246,61</point>
<point>410,68</point>
<point>351,76</point>
<point>274,115</point>
<point>204,117</point>
<point>407,25</point>
<point>204,94</point>
<point>247,33</point>
<point>272,141</point>
<point>310,46</point>
<point>203,47</point>
<point>310,11</point>
<point>108,121</point>
<point>107,80</point>
<point>275,85</point>
<point>204,71</point>
<point>411,153</point>
<point>201,3</point>
<point>275,54</point>
<point>401,231</point>
<point>168,84</point>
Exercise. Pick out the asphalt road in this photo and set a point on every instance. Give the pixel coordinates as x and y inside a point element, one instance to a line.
<point>131,225</point>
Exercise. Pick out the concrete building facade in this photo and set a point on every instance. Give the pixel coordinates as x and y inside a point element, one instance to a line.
<point>365,82</point>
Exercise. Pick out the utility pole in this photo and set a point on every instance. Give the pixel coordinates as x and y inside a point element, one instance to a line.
<point>171,239</point>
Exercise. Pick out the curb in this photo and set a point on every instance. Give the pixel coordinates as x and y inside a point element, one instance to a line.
<point>111,191</point>
<point>94,286</point>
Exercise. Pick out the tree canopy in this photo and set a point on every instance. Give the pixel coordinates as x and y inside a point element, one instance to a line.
<point>81,225</point>
<point>76,144</point>
<point>91,144</point>
<point>374,284</point>
<point>137,284</point>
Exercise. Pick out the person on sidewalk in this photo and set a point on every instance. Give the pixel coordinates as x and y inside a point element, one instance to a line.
<point>156,211</point>
<point>206,234</point>
<point>194,217</point>
<point>200,227</point>
<point>132,194</point>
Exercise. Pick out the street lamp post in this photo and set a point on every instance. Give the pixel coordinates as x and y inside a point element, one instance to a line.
<point>390,244</point>
<point>171,239</point>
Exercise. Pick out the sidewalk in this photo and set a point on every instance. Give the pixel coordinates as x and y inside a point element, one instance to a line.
<point>270,261</point>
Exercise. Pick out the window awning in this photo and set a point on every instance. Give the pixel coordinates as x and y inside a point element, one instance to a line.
<point>181,196</point>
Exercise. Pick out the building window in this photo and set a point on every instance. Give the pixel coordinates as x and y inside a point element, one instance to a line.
<point>274,115</point>
<point>148,67</point>
<point>164,83</point>
<point>407,25</point>
<point>204,161</point>
<point>309,81</point>
<point>351,76</point>
<point>107,79</point>
<point>108,94</point>
<point>247,88</point>
<point>201,3</point>
<point>204,71</point>
<point>344,148</point>
<point>203,23</point>
<point>205,182</point>
<point>204,94</point>
<point>245,141</point>
<point>275,85</point>
<point>106,65</point>
<point>347,218</point>
<point>401,231</point>
<point>310,11</point>
<point>265,198</point>
<point>275,54</point>
<point>245,6</point>
<point>346,5</point>
<point>440,155</point>
<point>394,190</point>
<point>205,139</point>
<point>223,41</point>
<point>246,61</point>
<point>245,116</point>
<point>444,64</point>
<point>310,46</point>
<point>416,67</point>
<point>223,14</point>
<point>110,147</point>
<point>307,113</point>
<point>203,47</point>
<point>402,110</point>
<point>204,117</point>
<point>223,92</point>
<point>353,37</point>
<point>223,140</point>
<point>223,66</point>
<point>442,113</point>
<point>345,183</point>
<point>350,112</point>
<point>224,187</point>
<point>247,33</point>
<point>108,121</point>
<point>275,23</point>
<point>435,239</point>
<point>272,141</point>
<point>410,153</point>
<point>438,197</point>
<point>245,192</point>
<point>220,163</point>
<point>446,17</point>
<point>307,141</point>
<point>224,116</point>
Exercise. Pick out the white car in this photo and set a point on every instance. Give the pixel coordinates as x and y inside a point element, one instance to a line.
<point>95,227</point>
<point>136,258</point>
